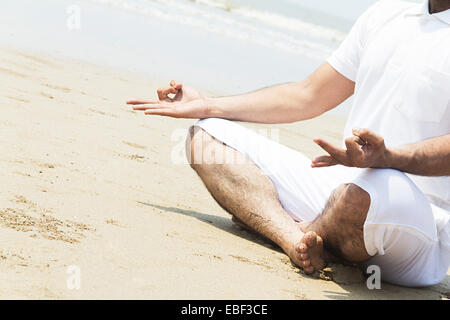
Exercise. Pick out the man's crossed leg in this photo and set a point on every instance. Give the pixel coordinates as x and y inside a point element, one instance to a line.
<point>245,192</point>
<point>395,229</point>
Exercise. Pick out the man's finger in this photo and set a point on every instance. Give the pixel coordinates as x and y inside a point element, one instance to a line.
<point>354,150</point>
<point>360,141</point>
<point>137,101</point>
<point>323,165</point>
<point>339,154</point>
<point>323,158</point>
<point>144,107</point>
<point>176,84</point>
<point>367,135</point>
<point>323,161</point>
<point>164,92</point>
<point>167,112</point>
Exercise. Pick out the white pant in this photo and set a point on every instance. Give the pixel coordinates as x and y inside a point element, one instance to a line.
<point>408,237</point>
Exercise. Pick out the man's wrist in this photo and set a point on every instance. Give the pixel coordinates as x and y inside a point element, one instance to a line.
<point>388,159</point>
<point>212,109</point>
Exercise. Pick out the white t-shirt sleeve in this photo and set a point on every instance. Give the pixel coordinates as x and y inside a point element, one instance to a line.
<point>346,59</point>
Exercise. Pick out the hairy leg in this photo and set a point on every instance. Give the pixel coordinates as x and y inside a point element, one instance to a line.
<point>341,224</point>
<point>241,188</point>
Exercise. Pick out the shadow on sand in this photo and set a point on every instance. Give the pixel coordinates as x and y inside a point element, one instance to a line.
<point>354,286</point>
<point>221,223</point>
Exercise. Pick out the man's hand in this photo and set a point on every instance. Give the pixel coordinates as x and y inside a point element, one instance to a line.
<point>364,150</point>
<point>186,102</point>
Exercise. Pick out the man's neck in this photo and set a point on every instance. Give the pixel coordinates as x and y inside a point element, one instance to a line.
<point>436,6</point>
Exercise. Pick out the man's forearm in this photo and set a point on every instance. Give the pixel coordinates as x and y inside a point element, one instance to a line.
<point>278,104</point>
<point>321,91</point>
<point>427,158</point>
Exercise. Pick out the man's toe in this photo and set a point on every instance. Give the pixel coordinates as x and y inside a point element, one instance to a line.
<point>308,270</point>
<point>311,239</point>
<point>302,248</point>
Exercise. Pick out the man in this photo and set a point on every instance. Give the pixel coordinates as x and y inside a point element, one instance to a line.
<point>384,198</point>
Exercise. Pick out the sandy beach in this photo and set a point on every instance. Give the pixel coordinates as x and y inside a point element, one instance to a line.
<point>92,185</point>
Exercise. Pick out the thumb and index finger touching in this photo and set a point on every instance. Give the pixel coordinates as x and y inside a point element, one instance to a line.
<point>366,136</point>
<point>174,87</point>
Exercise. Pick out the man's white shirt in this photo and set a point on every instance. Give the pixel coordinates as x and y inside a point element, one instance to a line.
<point>398,54</point>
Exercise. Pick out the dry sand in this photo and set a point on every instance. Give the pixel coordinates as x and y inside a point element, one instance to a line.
<point>89,183</point>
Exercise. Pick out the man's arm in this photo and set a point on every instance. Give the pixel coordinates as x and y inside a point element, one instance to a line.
<point>427,158</point>
<point>320,92</point>
<point>366,149</point>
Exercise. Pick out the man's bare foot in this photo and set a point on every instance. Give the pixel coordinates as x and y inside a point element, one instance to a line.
<point>311,252</point>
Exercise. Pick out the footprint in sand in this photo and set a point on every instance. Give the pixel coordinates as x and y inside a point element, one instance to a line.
<point>18,99</point>
<point>47,95</point>
<point>103,113</point>
<point>55,87</point>
<point>134,145</point>
<point>28,217</point>
<point>13,73</point>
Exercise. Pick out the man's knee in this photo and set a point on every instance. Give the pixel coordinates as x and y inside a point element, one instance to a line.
<point>193,144</point>
<point>354,201</point>
<point>203,149</point>
<point>351,205</point>
<point>200,147</point>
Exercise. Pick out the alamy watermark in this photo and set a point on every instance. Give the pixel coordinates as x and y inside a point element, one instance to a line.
<point>374,279</point>
<point>73,281</point>
<point>73,21</point>
<point>259,145</point>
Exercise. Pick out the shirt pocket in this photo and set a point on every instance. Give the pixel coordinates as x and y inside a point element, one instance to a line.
<point>424,96</point>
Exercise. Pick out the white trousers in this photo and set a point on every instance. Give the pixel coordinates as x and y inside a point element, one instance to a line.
<point>406,235</point>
